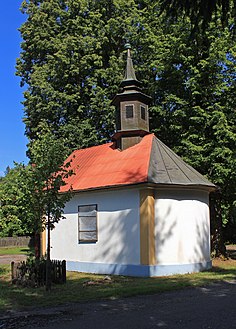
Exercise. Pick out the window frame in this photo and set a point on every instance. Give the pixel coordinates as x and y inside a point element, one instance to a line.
<point>80,240</point>
<point>126,106</point>
<point>142,107</point>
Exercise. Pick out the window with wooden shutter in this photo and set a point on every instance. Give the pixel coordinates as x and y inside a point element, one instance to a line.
<point>88,223</point>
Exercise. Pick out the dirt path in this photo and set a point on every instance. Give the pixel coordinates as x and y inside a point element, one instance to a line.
<point>231,250</point>
<point>7,259</point>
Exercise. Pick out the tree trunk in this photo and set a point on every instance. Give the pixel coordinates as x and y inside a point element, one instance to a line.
<point>217,242</point>
<point>37,245</point>
<point>48,260</point>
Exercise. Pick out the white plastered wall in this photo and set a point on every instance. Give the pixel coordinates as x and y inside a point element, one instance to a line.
<point>118,229</point>
<point>182,227</point>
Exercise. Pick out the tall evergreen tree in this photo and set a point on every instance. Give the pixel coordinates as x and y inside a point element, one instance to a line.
<point>72,62</point>
<point>193,110</point>
<point>200,12</point>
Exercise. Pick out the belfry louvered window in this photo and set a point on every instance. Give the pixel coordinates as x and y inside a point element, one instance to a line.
<point>129,111</point>
<point>88,223</point>
<point>143,112</point>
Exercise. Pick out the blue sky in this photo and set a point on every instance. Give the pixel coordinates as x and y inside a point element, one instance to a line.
<point>12,139</point>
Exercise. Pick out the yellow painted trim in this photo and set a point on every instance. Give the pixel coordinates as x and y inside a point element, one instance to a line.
<point>43,243</point>
<point>147,227</point>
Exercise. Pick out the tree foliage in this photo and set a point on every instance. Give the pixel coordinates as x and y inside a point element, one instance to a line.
<point>48,175</point>
<point>29,195</point>
<point>72,62</point>
<point>200,12</point>
<point>68,60</point>
<point>16,218</point>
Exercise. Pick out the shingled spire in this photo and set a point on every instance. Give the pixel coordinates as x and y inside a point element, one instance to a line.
<point>130,82</point>
<point>129,72</point>
<point>132,120</point>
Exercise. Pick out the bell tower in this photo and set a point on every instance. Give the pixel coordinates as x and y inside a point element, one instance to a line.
<point>132,119</point>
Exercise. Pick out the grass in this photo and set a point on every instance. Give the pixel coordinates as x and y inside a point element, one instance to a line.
<point>77,288</point>
<point>15,250</point>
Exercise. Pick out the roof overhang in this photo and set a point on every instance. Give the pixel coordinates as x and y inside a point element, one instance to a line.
<point>129,133</point>
<point>141,185</point>
<point>130,96</point>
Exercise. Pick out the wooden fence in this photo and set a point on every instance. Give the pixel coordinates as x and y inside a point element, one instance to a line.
<point>19,241</point>
<point>58,271</point>
<point>34,273</point>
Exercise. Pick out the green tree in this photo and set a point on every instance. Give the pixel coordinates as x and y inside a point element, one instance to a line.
<point>196,96</point>
<point>48,175</point>
<point>193,111</point>
<point>30,195</point>
<point>200,12</point>
<point>72,62</point>
<point>16,217</point>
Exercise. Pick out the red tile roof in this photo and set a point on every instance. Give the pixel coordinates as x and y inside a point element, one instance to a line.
<point>149,161</point>
<point>104,166</point>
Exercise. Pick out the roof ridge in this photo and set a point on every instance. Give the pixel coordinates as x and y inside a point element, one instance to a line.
<point>149,156</point>
<point>198,174</point>
<point>163,160</point>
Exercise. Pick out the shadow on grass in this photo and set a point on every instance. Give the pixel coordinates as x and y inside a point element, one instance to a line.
<point>219,270</point>
<point>3,270</point>
<point>232,254</point>
<point>29,251</point>
<point>11,297</point>
<point>15,251</point>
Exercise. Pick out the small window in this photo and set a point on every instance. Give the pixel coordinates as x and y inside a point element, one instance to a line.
<point>129,111</point>
<point>143,112</point>
<point>88,223</point>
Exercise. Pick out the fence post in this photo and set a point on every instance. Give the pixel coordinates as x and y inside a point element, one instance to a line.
<point>63,271</point>
<point>12,271</point>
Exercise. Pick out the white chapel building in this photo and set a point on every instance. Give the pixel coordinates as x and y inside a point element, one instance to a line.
<point>137,208</point>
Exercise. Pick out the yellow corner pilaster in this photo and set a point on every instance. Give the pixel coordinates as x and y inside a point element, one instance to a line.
<point>43,243</point>
<point>147,227</point>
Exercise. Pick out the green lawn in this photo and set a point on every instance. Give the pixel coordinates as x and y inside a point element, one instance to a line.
<point>14,250</point>
<point>76,289</point>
